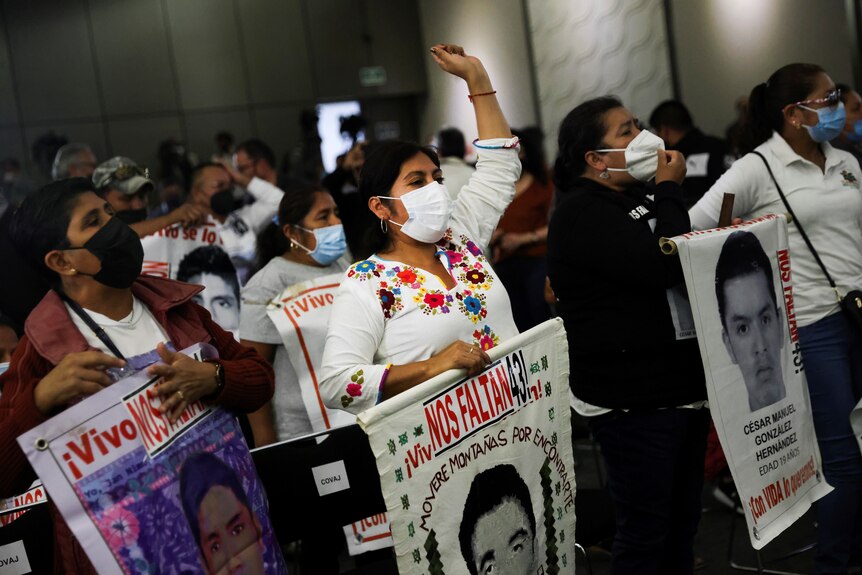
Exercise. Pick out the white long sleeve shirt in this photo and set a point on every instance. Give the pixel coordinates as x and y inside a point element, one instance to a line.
<point>386,312</point>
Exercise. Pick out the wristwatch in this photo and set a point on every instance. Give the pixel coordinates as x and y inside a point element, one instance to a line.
<point>219,377</point>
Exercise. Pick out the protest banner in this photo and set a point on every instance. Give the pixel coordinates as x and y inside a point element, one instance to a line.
<point>741,290</point>
<point>196,255</point>
<point>368,535</point>
<point>478,471</point>
<point>301,316</point>
<point>144,495</point>
<point>25,533</point>
<point>14,507</point>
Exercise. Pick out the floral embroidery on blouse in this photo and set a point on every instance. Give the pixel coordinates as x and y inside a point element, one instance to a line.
<point>408,277</point>
<point>354,388</point>
<point>390,299</point>
<point>472,305</point>
<point>472,248</point>
<point>476,277</point>
<point>432,302</point>
<point>485,338</point>
<point>365,270</point>
<point>455,258</point>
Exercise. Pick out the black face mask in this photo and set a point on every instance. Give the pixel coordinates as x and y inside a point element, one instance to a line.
<point>119,249</point>
<point>221,203</point>
<point>132,216</point>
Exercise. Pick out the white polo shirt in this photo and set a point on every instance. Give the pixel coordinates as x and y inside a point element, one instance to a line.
<point>829,206</point>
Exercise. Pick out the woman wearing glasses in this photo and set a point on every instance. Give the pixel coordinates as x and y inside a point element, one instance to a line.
<point>792,118</point>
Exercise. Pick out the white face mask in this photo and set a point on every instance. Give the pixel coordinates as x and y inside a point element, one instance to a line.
<point>428,211</point>
<point>641,159</point>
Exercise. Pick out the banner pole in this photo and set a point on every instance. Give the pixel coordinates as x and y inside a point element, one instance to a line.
<point>725,216</point>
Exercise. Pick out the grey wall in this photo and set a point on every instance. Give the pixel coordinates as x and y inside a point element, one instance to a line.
<point>584,48</point>
<point>725,47</point>
<point>496,32</point>
<point>123,75</point>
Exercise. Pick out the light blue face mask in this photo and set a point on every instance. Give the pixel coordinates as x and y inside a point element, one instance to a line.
<point>855,135</point>
<point>830,122</point>
<point>330,244</point>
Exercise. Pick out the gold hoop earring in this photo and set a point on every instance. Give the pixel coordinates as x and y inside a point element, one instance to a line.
<point>384,227</point>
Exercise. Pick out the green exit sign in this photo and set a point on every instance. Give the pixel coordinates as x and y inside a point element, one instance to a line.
<point>372,76</point>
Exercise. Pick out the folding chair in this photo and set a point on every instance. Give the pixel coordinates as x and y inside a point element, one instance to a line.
<point>297,509</point>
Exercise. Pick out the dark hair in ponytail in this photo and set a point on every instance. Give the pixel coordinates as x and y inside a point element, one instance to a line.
<point>294,206</point>
<point>787,85</point>
<point>383,163</point>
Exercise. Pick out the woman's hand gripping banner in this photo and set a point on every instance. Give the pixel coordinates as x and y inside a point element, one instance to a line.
<point>478,471</point>
<point>145,495</point>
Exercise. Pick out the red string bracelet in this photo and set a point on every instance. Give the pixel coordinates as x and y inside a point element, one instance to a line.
<point>471,96</point>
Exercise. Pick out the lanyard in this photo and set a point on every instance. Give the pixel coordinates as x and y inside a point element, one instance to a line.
<point>96,328</point>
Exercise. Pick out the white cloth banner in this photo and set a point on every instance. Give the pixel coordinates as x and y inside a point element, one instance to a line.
<point>196,255</point>
<point>301,316</point>
<point>740,285</point>
<point>479,471</point>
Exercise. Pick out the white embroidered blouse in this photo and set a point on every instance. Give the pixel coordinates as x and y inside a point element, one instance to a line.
<point>386,312</point>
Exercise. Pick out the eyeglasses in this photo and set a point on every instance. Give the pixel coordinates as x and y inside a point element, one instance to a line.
<point>831,100</point>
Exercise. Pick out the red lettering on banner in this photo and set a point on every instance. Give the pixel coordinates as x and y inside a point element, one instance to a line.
<point>147,418</point>
<point>156,429</point>
<point>31,497</point>
<point>773,494</point>
<point>300,305</point>
<point>471,409</point>
<point>784,265</point>
<point>734,227</point>
<point>158,269</point>
<point>85,454</point>
<point>442,421</point>
<point>80,452</point>
<point>473,403</point>
<point>318,301</point>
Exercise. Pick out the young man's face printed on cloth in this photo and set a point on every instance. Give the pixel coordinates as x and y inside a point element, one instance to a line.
<point>230,535</point>
<point>503,540</point>
<point>751,322</point>
<point>219,298</point>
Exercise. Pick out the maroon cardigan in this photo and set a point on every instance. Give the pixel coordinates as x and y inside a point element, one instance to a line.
<point>50,335</point>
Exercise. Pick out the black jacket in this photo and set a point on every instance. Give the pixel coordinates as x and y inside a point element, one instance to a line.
<point>611,280</point>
